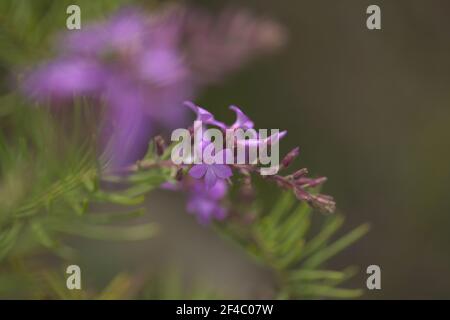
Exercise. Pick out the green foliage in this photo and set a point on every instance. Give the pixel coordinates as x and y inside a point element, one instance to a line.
<point>50,284</point>
<point>170,285</point>
<point>50,184</point>
<point>280,240</point>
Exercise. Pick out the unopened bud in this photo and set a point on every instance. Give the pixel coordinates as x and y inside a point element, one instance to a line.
<point>160,145</point>
<point>287,160</point>
<point>300,173</point>
<point>302,195</point>
<point>324,203</point>
<point>306,182</point>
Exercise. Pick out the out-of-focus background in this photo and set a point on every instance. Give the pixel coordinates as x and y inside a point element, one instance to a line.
<point>370,110</point>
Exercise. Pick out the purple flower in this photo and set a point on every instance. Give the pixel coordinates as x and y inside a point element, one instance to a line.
<point>263,142</point>
<point>209,183</point>
<point>210,172</point>
<point>65,78</point>
<point>205,204</point>
<point>207,118</point>
<point>214,171</point>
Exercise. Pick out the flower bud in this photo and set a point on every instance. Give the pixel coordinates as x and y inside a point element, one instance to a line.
<point>306,182</point>
<point>160,145</point>
<point>300,173</point>
<point>287,160</point>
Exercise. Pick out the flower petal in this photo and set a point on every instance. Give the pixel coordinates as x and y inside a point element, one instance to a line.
<point>204,115</point>
<point>218,191</point>
<point>242,121</point>
<point>198,171</point>
<point>222,171</point>
<point>210,178</point>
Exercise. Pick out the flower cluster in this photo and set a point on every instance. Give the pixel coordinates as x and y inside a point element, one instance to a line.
<point>142,67</point>
<point>207,184</point>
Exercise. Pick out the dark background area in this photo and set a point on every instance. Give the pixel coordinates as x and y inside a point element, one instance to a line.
<point>370,110</point>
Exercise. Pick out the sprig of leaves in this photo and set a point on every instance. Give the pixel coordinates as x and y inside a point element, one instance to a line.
<point>281,240</point>
<point>51,183</point>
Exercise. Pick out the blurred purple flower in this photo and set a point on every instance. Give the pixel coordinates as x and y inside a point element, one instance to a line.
<point>143,67</point>
<point>220,45</point>
<point>64,78</point>
<point>205,202</point>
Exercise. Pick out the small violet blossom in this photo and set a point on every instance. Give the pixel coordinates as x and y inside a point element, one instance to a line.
<point>212,172</point>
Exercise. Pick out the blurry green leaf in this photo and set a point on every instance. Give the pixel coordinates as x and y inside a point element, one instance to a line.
<point>312,275</point>
<point>47,240</point>
<point>106,218</point>
<point>111,233</point>
<point>294,228</point>
<point>324,234</point>
<point>319,291</point>
<point>333,249</point>
<point>117,198</point>
<point>57,285</point>
<point>8,238</point>
<point>118,288</point>
<point>280,209</point>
